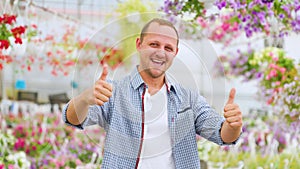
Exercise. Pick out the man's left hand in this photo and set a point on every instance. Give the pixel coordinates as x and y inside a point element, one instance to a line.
<point>232,112</point>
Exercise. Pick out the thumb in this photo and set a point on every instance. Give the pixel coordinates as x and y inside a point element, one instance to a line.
<point>231,96</point>
<point>104,72</point>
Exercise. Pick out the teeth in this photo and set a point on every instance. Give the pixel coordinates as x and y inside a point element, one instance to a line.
<point>157,61</point>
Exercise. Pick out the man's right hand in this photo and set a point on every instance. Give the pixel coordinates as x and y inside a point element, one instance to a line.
<point>99,94</point>
<point>102,89</point>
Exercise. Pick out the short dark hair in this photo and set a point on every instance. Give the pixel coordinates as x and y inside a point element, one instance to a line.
<point>160,22</point>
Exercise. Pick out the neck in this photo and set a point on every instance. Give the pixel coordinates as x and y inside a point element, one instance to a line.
<point>154,84</point>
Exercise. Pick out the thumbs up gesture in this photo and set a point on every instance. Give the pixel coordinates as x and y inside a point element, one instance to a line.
<point>102,89</point>
<point>232,112</point>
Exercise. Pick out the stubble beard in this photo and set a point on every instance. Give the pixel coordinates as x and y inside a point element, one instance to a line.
<point>152,75</point>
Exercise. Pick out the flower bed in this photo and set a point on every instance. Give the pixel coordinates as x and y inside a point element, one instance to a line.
<point>38,140</point>
<point>44,141</point>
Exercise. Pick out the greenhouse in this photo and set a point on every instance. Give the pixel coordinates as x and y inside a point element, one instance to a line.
<point>185,84</point>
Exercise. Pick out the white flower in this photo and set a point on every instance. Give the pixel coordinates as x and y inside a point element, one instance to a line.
<point>19,159</point>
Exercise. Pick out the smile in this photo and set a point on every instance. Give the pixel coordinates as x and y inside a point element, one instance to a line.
<point>159,62</point>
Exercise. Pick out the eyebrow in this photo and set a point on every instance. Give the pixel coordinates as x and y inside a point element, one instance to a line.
<point>156,41</point>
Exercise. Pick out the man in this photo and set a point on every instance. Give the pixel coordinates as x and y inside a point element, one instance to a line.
<point>151,121</point>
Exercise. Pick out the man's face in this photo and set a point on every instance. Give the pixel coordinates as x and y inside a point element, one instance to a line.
<point>157,50</point>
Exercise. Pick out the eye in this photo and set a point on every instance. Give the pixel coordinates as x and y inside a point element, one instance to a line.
<point>154,44</point>
<point>169,49</point>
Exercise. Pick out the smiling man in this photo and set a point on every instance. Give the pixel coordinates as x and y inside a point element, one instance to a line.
<point>150,120</point>
<point>157,47</point>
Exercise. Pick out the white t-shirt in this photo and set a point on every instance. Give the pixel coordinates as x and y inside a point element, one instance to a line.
<point>157,149</point>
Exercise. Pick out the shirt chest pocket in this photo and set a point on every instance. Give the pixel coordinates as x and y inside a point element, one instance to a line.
<point>185,116</point>
<point>184,123</point>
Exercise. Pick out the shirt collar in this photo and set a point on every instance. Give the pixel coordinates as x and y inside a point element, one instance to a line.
<point>136,80</point>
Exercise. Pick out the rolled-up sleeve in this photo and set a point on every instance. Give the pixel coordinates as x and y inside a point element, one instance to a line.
<point>208,122</point>
<point>95,116</point>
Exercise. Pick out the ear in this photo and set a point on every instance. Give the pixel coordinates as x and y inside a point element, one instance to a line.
<point>176,51</point>
<point>138,43</point>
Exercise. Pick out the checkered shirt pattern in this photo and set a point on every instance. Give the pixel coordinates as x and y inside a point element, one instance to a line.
<point>121,117</point>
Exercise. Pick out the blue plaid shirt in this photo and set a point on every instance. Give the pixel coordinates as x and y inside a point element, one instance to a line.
<point>122,117</point>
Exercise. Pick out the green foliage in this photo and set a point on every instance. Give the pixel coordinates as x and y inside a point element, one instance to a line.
<point>194,6</point>
<point>232,159</point>
<point>133,6</point>
<point>132,14</point>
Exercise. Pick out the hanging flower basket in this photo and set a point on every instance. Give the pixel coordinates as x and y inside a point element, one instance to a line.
<point>9,35</point>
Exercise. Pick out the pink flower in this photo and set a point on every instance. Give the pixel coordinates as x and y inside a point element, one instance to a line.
<point>40,130</point>
<point>19,144</point>
<point>282,70</point>
<point>69,63</point>
<point>78,162</point>
<point>33,148</point>
<point>10,166</point>
<point>225,26</point>
<point>60,164</point>
<point>270,101</point>
<point>34,26</point>
<point>272,65</point>
<point>275,59</point>
<point>32,133</point>
<point>235,26</point>
<point>277,83</point>
<point>27,151</point>
<point>202,22</point>
<point>273,73</point>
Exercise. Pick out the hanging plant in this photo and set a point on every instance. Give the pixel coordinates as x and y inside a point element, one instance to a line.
<point>9,32</point>
<point>277,75</point>
<point>271,18</point>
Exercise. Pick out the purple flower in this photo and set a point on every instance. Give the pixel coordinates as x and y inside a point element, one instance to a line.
<point>45,162</point>
<point>261,16</point>
<point>248,32</point>
<point>258,75</point>
<point>281,16</point>
<point>32,166</point>
<point>297,8</point>
<point>251,5</point>
<point>249,17</point>
<point>221,4</point>
<point>294,113</point>
<point>295,26</point>
<point>245,148</point>
<point>179,6</point>
<point>270,13</point>
<point>286,9</point>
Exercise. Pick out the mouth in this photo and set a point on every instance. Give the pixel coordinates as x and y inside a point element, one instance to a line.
<point>157,62</point>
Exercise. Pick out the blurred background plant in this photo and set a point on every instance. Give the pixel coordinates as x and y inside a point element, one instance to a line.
<point>235,17</point>
<point>276,73</point>
<point>8,30</point>
<point>41,143</point>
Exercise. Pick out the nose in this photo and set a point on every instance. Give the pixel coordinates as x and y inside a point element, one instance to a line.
<point>160,53</point>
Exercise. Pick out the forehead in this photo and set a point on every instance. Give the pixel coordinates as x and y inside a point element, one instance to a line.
<point>161,30</point>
